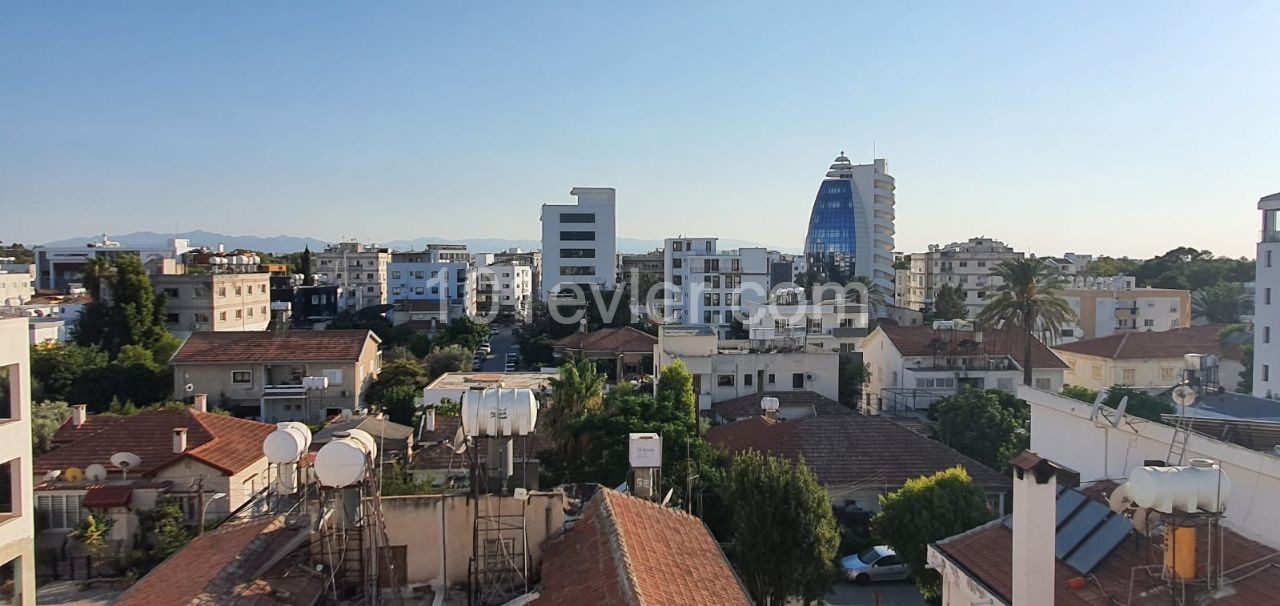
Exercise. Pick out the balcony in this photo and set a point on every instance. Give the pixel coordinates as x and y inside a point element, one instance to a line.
<point>849,332</point>
<point>1271,236</point>
<point>280,391</point>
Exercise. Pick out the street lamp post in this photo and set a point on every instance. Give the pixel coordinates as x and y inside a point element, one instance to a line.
<point>204,508</point>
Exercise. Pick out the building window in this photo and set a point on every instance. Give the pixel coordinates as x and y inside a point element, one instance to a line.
<point>677,280</point>
<point>171,318</point>
<point>1266,372</point>
<point>239,291</point>
<point>222,316</point>
<point>242,376</point>
<point>1043,383</point>
<point>395,275</point>
<point>1268,258</point>
<point>677,263</point>
<point>1097,371</point>
<point>172,293</point>
<point>1128,376</point>
<point>1148,322</point>
<point>797,380</point>
<point>368,289</point>
<point>578,270</point>
<point>334,375</point>
<point>222,291</point>
<point>1167,373</point>
<point>578,236</point>
<point>735,265</point>
<point>677,246</point>
<point>710,265</point>
<point>706,317</point>
<point>576,253</point>
<point>724,380</point>
<point>250,312</point>
<point>1266,296</point>
<point>1266,334</point>
<point>746,380</point>
<point>239,314</point>
<point>60,511</point>
<point>577,217</point>
<point>771,381</point>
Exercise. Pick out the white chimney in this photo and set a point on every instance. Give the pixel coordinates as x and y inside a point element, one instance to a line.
<point>430,423</point>
<point>179,440</point>
<point>1035,514</point>
<point>79,413</point>
<point>201,402</point>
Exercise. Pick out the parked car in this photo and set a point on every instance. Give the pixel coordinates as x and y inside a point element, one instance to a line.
<point>510,367</point>
<point>477,365</point>
<point>877,563</point>
<point>484,348</point>
<point>493,331</point>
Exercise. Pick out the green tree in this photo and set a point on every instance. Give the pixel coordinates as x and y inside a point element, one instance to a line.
<point>304,267</point>
<point>1222,303</point>
<point>452,358</point>
<point>675,387</point>
<point>981,423</point>
<point>133,376</point>
<point>1078,392</point>
<point>93,534</point>
<point>873,296</point>
<point>126,309</point>
<point>1026,300</point>
<point>419,344</point>
<point>162,530</point>
<point>578,388</point>
<point>401,372</point>
<point>785,535</point>
<point>948,304</point>
<point>463,332</point>
<point>46,418</point>
<point>397,481</point>
<point>398,403</point>
<point>1141,404</point>
<point>925,510</point>
<point>55,368</point>
<point>854,376</point>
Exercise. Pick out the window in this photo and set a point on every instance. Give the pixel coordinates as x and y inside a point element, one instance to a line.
<point>577,253</point>
<point>578,270</point>
<point>250,312</point>
<point>418,290</point>
<point>239,314</point>
<point>735,265</point>
<point>199,293</point>
<point>262,289</point>
<point>222,316</point>
<point>677,280</point>
<point>1266,372</point>
<point>746,380</point>
<point>395,275</point>
<point>1266,334</point>
<point>1043,383</point>
<point>334,375</point>
<point>239,291</point>
<point>771,379</point>
<point>797,380</point>
<point>1266,296</point>
<point>242,376</point>
<point>171,318</point>
<point>60,511</point>
<point>578,236</point>
<point>1097,371</point>
<point>677,263</point>
<point>707,245</point>
<point>395,290</point>
<point>577,217</point>
<point>417,275</point>
<point>1167,373</point>
<point>368,276</point>
<point>1268,258</point>
<point>677,246</point>
<point>1128,376</point>
<point>172,293</point>
<point>1148,322</point>
<point>706,317</point>
<point>724,380</point>
<point>710,265</point>
<point>732,281</point>
<point>222,291</point>
<point>368,289</point>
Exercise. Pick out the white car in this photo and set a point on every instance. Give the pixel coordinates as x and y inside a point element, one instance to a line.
<point>877,563</point>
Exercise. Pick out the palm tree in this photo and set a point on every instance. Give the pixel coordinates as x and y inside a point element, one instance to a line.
<point>1026,299</point>
<point>873,296</point>
<point>577,389</point>
<point>1222,303</point>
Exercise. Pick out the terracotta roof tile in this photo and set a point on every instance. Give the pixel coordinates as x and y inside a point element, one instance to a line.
<point>224,442</point>
<point>103,496</point>
<point>68,432</point>
<point>749,405</point>
<point>1147,345</point>
<point>925,341</point>
<point>291,346</point>
<point>615,340</point>
<point>627,550</point>
<point>851,449</point>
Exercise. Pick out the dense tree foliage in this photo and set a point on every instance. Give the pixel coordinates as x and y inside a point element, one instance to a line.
<point>20,253</point>
<point>451,358</point>
<point>948,304</point>
<point>985,425</point>
<point>1141,404</point>
<point>577,389</point>
<point>46,418</point>
<point>785,535</point>
<point>675,385</point>
<point>854,376</point>
<point>126,309</point>
<point>55,367</point>
<point>925,510</point>
<point>1078,392</point>
<point>1222,303</point>
<point>1182,267</point>
<point>1026,300</point>
<point>400,372</point>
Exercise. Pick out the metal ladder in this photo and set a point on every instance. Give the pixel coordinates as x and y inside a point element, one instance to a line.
<point>1178,445</point>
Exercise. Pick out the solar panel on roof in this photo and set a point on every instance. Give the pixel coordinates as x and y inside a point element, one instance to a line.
<point>1068,502</point>
<point>1079,526</point>
<point>1100,544</point>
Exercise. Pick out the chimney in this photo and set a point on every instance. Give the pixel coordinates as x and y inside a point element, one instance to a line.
<point>430,422</point>
<point>201,402</point>
<point>1035,511</point>
<point>78,415</point>
<point>179,440</point>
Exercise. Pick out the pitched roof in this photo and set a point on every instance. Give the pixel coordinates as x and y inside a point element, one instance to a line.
<point>925,341</point>
<point>986,554</point>
<point>68,432</point>
<point>1173,343</point>
<point>852,449</point>
<point>105,495</point>
<point>373,425</point>
<point>616,340</point>
<point>749,405</point>
<point>225,443</point>
<point>627,550</point>
<point>290,346</point>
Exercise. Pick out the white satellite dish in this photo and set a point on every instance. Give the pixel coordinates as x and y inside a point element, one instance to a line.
<point>1097,405</point>
<point>1184,395</point>
<point>190,388</point>
<point>667,499</point>
<point>459,441</point>
<point>95,473</point>
<point>52,474</point>
<point>1124,403</point>
<point>125,461</point>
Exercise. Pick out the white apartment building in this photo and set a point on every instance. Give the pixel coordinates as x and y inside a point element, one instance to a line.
<point>708,286</point>
<point>16,288</point>
<point>57,268</point>
<point>17,520</point>
<point>1266,311</point>
<point>360,270</point>
<point>964,264</point>
<point>723,370</point>
<point>215,301</point>
<point>1112,305</point>
<point>505,289</point>
<point>830,325</point>
<point>440,273</point>
<point>579,241</point>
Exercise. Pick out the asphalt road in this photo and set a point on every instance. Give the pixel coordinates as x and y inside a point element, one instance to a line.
<point>501,344</point>
<point>891,594</point>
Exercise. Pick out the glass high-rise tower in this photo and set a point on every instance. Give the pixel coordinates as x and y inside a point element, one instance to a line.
<point>851,225</point>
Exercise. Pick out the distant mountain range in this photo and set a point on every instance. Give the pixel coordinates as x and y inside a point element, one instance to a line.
<point>286,244</point>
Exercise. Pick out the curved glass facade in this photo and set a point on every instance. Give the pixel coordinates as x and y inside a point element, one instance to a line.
<point>831,243</point>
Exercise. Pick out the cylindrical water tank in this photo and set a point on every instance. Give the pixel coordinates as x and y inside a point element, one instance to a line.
<point>343,461</point>
<point>499,412</point>
<point>1202,486</point>
<point>287,443</point>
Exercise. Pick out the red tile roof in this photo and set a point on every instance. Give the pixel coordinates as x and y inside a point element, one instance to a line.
<point>612,340</point>
<point>1148,345</point>
<point>627,550</point>
<point>225,443</point>
<point>290,346</point>
<point>749,405</point>
<point>986,553</point>
<point>845,450</point>
<point>103,496</point>
<point>924,341</point>
<point>68,433</point>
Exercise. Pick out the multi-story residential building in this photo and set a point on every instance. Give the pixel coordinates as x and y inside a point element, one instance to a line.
<point>265,374</point>
<point>579,241</point>
<point>833,325</point>
<point>851,225</point>
<point>964,264</point>
<point>708,286</point>
<point>360,270</point>
<point>1151,359</point>
<point>1107,306</point>
<point>531,259</point>
<point>16,288</point>
<point>503,289</point>
<point>215,301</point>
<point>440,273</point>
<point>648,266</point>
<point>724,370</point>
<point>61,267</point>
<point>1266,311</point>
<point>17,517</point>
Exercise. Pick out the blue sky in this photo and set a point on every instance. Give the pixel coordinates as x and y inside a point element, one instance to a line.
<point>1118,128</point>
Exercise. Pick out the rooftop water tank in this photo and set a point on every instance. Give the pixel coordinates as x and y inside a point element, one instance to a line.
<point>343,461</point>
<point>1200,487</point>
<point>499,412</point>
<point>287,443</point>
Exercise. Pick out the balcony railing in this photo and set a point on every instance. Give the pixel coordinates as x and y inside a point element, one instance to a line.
<point>284,390</point>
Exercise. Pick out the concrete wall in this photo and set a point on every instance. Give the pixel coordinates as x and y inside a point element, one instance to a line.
<point>17,529</point>
<point>437,531</point>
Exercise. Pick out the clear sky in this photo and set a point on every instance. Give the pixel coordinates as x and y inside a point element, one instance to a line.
<point>1108,127</point>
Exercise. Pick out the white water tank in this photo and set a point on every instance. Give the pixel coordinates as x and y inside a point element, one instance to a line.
<point>1201,486</point>
<point>287,443</point>
<point>343,461</point>
<point>499,412</point>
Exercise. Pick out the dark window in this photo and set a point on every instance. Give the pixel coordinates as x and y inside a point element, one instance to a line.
<point>746,380</point>
<point>724,380</point>
<point>677,263</point>
<point>887,561</point>
<point>7,391</point>
<point>172,293</point>
<point>577,253</point>
<point>771,379</point>
<point>577,270</point>
<point>171,318</point>
<point>710,265</point>
<point>578,218</point>
<point>581,236</point>
<point>241,376</point>
<point>797,380</point>
<point>677,280</point>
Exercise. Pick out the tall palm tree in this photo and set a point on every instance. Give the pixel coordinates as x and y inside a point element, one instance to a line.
<point>874,297</point>
<point>1026,299</point>
<point>577,389</point>
<point>1222,303</point>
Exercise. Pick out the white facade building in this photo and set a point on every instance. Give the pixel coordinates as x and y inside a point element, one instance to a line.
<point>361,272</point>
<point>1266,310</point>
<point>17,519</point>
<point>831,325</point>
<point>503,288</point>
<point>579,241</point>
<point>964,264</point>
<point>708,286</point>
<point>1107,306</point>
<point>436,274</point>
<point>16,288</point>
<point>57,268</point>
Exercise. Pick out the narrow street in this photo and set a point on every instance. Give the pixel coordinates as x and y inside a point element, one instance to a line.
<point>501,344</point>
<point>903,593</point>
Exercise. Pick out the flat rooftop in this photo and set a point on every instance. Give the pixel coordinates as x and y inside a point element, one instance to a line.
<point>536,381</point>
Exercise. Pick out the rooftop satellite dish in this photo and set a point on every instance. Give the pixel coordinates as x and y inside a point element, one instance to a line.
<point>125,461</point>
<point>1184,395</point>
<point>52,474</point>
<point>1124,403</point>
<point>1097,405</point>
<point>667,499</point>
<point>73,474</point>
<point>95,472</point>
<point>459,441</point>
<point>190,388</point>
